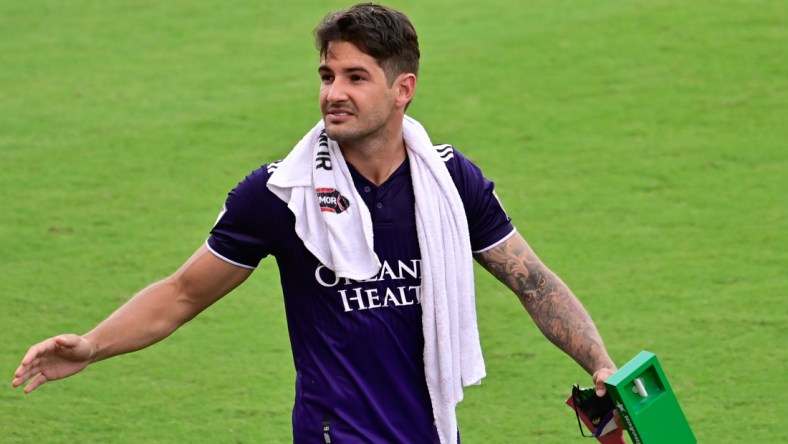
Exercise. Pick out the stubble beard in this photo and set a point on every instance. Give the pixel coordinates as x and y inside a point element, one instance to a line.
<point>360,130</point>
<point>355,134</point>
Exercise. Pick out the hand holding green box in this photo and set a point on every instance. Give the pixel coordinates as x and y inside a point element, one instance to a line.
<point>646,403</point>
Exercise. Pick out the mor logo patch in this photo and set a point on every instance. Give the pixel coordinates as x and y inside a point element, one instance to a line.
<point>330,200</point>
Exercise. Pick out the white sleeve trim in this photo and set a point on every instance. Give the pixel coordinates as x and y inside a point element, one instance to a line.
<point>503,239</point>
<point>237,264</point>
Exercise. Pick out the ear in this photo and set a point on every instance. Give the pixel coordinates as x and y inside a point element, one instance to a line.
<point>405,88</point>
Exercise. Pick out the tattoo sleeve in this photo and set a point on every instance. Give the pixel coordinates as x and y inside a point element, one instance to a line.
<point>551,304</point>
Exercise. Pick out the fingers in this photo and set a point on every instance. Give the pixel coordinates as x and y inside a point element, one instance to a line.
<point>35,383</point>
<point>599,378</point>
<point>31,360</point>
<point>37,350</point>
<point>20,376</point>
<point>23,376</point>
<point>599,383</point>
<point>25,372</point>
<point>600,389</point>
<point>49,347</point>
<point>31,363</point>
<point>67,341</point>
<point>17,381</point>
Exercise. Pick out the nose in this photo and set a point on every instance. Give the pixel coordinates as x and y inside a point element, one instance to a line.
<point>336,92</point>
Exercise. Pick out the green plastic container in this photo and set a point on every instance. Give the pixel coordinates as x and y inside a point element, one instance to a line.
<point>646,403</point>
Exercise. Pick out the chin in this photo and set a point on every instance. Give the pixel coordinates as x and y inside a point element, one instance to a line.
<point>337,134</point>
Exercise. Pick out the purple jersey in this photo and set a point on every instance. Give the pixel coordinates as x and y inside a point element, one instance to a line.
<point>357,345</point>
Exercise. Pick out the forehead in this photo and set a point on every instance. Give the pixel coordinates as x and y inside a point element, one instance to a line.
<point>342,54</point>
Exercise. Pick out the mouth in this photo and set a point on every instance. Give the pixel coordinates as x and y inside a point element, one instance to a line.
<point>338,115</point>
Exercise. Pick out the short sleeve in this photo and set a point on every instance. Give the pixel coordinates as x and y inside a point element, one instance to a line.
<point>488,223</point>
<point>242,233</point>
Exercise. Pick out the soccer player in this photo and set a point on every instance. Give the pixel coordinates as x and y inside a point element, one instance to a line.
<point>377,288</point>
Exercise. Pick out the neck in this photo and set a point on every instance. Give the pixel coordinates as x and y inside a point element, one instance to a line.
<point>376,159</point>
<point>375,162</point>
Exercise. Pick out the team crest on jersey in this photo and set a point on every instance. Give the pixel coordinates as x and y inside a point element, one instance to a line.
<point>331,201</point>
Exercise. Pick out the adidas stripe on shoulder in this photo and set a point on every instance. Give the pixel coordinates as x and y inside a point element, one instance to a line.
<point>273,166</point>
<point>446,152</point>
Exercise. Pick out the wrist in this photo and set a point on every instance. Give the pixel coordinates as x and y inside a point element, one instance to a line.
<point>604,364</point>
<point>92,344</point>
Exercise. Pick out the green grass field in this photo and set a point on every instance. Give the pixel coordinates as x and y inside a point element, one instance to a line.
<point>636,144</point>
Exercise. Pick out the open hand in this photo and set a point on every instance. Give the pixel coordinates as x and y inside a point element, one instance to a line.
<point>52,359</point>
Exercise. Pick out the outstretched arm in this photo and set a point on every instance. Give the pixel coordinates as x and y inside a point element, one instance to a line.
<point>551,304</point>
<point>148,317</point>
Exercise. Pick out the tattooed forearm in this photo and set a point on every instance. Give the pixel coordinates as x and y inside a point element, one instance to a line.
<point>553,307</point>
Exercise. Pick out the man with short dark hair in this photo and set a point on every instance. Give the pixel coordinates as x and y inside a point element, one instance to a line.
<point>374,230</point>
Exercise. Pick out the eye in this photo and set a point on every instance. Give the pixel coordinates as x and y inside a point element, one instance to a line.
<point>356,78</point>
<point>326,78</point>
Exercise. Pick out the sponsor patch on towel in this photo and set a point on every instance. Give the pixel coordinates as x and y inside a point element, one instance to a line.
<point>330,200</point>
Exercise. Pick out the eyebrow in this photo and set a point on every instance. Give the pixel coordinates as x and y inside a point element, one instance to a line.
<point>351,69</point>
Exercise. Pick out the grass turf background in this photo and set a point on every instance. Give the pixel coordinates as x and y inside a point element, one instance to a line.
<point>639,146</point>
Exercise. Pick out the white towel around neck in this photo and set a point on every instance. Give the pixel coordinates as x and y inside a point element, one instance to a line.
<point>336,227</point>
